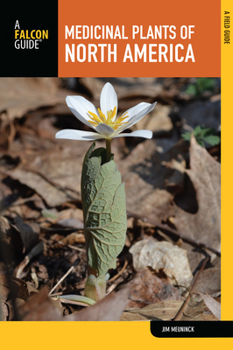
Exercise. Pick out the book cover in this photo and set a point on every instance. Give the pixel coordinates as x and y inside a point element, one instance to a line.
<point>115,208</point>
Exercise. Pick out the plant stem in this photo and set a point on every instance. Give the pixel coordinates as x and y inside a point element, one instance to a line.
<point>91,271</point>
<point>108,150</point>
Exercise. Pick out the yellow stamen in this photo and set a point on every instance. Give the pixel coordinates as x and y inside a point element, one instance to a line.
<point>118,125</point>
<point>94,123</point>
<point>94,117</point>
<point>114,112</point>
<point>109,120</point>
<point>94,120</point>
<point>102,116</point>
<point>124,114</point>
<point>121,119</point>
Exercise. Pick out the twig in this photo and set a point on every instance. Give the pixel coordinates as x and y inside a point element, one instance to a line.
<point>65,275</point>
<point>62,279</point>
<point>72,247</point>
<point>119,273</point>
<point>56,294</point>
<point>36,250</point>
<point>184,305</point>
<point>19,269</point>
<point>112,287</point>
<point>175,233</point>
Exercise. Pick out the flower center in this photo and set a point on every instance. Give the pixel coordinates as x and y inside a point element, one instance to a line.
<point>108,120</point>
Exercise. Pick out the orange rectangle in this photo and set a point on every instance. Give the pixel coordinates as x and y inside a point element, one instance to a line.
<point>151,38</point>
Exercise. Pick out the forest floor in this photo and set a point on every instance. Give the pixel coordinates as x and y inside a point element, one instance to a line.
<point>169,268</point>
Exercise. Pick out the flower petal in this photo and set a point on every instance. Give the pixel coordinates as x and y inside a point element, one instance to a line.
<point>131,112</point>
<point>108,99</point>
<point>77,135</point>
<point>105,130</point>
<point>135,114</point>
<point>79,106</point>
<point>146,134</point>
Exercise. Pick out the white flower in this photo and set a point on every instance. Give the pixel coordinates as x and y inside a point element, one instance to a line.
<point>104,121</point>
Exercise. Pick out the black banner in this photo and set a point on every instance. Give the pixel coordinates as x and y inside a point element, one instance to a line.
<point>29,45</point>
<point>195,329</point>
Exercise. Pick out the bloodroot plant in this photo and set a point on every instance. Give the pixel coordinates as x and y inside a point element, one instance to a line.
<point>103,193</point>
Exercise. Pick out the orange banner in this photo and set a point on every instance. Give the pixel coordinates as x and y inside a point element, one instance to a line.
<point>143,39</point>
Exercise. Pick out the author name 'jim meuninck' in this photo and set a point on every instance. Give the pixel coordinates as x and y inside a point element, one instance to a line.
<point>178,329</point>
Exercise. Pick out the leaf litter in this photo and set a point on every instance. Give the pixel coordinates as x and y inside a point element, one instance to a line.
<point>165,256</point>
<point>172,194</point>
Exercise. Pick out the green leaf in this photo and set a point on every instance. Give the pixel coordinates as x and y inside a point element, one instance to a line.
<point>200,142</point>
<point>201,85</point>
<point>191,90</point>
<point>104,209</point>
<point>186,136</point>
<point>198,131</point>
<point>78,298</point>
<point>204,84</point>
<point>208,131</point>
<point>212,140</point>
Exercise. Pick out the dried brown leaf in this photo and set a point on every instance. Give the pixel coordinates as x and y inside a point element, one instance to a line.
<point>52,195</point>
<point>197,311</point>
<point>204,226</point>
<point>142,170</point>
<point>147,288</point>
<point>158,121</point>
<point>54,174</point>
<point>128,316</point>
<point>71,218</point>
<point>4,312</point>
<point>19,95</point>
<point>212,304</point>
<point>29,237</point>
<point>39,307</point>
<point>164,310</point>
<point>108,309</point>
<point>11,242</point>
<point>168,309</point>
<point>209,280</point>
